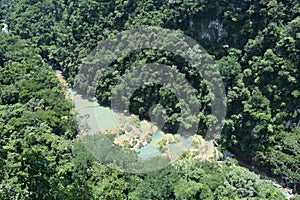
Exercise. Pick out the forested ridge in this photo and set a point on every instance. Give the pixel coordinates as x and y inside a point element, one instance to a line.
<point>255,44</point>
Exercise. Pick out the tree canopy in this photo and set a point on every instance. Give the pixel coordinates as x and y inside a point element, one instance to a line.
<point>255,45</point>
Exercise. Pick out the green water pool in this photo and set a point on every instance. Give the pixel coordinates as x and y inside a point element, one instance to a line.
<point>150,151</point>
<point>98,118</point>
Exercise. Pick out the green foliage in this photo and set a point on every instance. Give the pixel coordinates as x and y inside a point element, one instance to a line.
<point>187,189</point>
<point>156,185</point>
<point>256,44</point>
<point>35,149</point>
<point>107,183</point>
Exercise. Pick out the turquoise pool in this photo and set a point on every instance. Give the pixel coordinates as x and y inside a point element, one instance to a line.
<point>98,118</point>
<point>149,151</point>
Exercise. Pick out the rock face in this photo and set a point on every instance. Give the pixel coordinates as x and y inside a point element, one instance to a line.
<point>4,27</point>
<point>211,29</point>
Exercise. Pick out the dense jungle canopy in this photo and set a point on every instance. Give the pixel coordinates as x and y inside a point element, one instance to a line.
<point>256,47</point>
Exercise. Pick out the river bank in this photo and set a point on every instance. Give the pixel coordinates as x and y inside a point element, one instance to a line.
<point>287,192</point>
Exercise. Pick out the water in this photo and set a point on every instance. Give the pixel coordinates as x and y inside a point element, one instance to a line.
<point>150,151</point>
<point>95,118</point>
<point>183,145</point>
<point>177,148</point>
